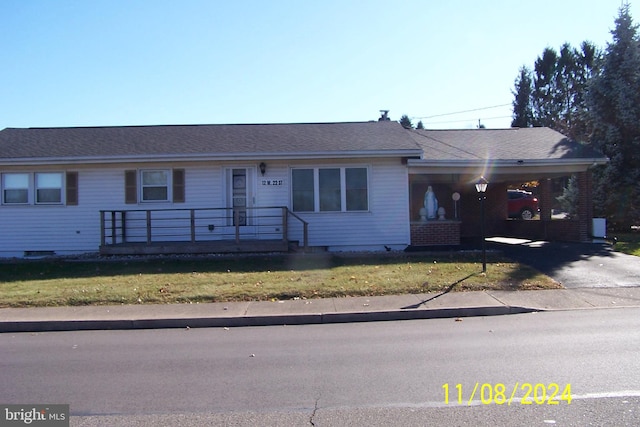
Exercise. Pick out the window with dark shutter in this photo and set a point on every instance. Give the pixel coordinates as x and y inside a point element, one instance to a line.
<point>178,186</point>
<point>72,188</point>
<point>48,187</point>
<point>130,186</point>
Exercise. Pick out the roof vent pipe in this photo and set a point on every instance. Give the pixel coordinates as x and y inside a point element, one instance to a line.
<point>384,116</point>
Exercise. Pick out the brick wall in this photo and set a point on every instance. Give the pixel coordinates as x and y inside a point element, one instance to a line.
<point>585,204</point>
<point>566,230</point>
<point>435,233</point>
<point>495,211</point>
<point>557,230</point>
<point>545,198</point>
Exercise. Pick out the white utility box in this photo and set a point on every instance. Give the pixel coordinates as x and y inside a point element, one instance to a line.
<point>599,227</point>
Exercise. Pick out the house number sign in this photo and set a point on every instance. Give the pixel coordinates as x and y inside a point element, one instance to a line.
<point>272,182</point>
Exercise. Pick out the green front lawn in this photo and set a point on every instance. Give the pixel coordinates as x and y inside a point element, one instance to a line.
<point>628,243</point>
<point>245,278</point>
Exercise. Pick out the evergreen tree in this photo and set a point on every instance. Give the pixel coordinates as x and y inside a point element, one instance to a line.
<point>556,91</point>
<point>405,121</point>
<point>522,109</point>
<point>420,125</point>
<point>545,89</point>
<point>569,198</point>
<point>575,68</point>
<point>614,106</point>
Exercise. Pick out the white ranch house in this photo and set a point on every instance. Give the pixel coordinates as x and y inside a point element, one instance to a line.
<point>270,187</point>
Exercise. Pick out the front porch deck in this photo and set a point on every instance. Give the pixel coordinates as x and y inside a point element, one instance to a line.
<point>198,231</point>
<point>180,248</point>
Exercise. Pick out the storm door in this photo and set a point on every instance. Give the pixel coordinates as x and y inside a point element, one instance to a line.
<point>240,189</point>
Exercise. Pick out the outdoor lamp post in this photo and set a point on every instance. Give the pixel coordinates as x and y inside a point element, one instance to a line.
<point>481,188</point>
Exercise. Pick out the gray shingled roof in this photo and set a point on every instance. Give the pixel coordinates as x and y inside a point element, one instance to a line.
<point>500,144</point>
<point>304,139</point>
<point>204,140</point>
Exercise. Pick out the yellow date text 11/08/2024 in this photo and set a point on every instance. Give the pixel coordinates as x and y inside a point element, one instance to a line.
<point>500,394</point>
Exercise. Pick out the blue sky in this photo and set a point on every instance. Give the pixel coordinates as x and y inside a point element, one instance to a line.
<point>148,62</point>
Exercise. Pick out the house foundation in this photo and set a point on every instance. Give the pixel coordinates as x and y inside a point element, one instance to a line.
<point>435,233</point>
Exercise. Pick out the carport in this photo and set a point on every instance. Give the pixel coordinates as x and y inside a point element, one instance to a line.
<point>454,160</point>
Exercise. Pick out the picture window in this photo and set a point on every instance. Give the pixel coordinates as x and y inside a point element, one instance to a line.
<point>330,189</point>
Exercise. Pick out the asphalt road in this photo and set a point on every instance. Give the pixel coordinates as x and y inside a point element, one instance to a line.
<point>385,373</point>
<point>574,265</point>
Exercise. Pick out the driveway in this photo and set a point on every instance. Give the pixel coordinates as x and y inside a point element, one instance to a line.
<point>574,265</point>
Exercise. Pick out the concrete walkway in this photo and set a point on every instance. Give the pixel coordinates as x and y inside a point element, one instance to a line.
<point>331,310</point>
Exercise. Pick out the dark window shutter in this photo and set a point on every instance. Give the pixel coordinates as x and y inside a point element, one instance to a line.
<point>72,188</point>
<point>130,187</point>
<point>178,186</point>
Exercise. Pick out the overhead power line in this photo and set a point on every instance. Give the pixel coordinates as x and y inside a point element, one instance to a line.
<point>462,112</point>
<point>469,120</point>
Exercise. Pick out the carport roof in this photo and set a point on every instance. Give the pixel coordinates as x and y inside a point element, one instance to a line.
<point>500,154</point>
<point>513,144</point>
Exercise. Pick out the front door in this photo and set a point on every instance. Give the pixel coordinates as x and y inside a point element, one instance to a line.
<point>240,188</point>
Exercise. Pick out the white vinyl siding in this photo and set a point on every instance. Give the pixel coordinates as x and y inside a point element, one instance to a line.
<point>59,228</point>
<point>385,220</point>
<point>67,229</point>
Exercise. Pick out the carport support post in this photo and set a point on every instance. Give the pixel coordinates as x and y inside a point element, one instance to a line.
<point>546,199</point>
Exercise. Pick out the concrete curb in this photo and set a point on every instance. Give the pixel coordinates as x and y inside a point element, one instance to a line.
<point>266,320</point>
<point>309,312</point>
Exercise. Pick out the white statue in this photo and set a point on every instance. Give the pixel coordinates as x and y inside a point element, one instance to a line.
<point>423,214</point>
<point>431,203</point>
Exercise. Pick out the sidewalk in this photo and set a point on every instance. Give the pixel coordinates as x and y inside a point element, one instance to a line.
<point>313,311</point>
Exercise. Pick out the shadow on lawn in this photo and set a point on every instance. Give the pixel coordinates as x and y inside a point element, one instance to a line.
<point>25,270</point>
<point>446,291</point>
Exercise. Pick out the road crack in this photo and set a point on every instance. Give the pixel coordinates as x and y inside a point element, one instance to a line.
<point>313,414</point>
